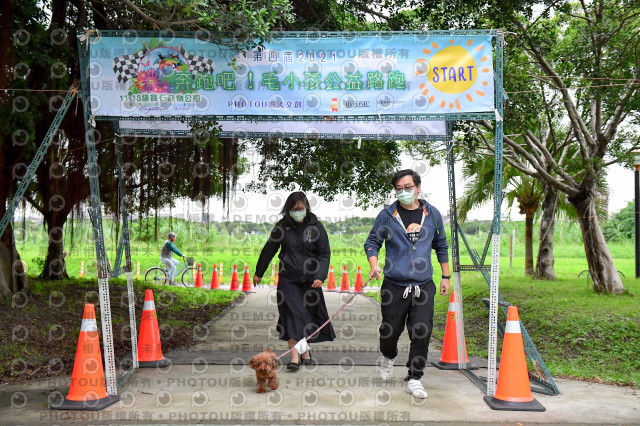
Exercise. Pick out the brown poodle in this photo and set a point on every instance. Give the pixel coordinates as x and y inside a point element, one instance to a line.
<point>266,366</point>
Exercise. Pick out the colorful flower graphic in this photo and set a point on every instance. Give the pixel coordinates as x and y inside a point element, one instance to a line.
<point>147,81</point>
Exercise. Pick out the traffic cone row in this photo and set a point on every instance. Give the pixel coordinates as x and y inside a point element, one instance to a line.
<point>273,274</point>
<point>214,278</point>
<point>359,286</point>
<point>149,346</point>
<point>331,280</point>
<point>344,284</point>
<point>234,278</point>
<point>199,276</point>
<point>246,280</point>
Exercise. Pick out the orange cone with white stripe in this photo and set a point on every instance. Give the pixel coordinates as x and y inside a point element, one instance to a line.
<point>358,283</point>
<point>449,358</point>
<point>246,280</point>
<point>331,280</point>
<point>149,346</point>
<point>199,277</point>
<point>214,278</point>
<point>344,284</point>
<point>88,390</point>
<point>513,392</point>
<point>234,279</point>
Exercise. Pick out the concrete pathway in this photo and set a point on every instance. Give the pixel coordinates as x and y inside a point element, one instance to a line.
<point>211,383</point>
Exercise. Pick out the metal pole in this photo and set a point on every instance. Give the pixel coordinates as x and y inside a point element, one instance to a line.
<point>637,218</point>
<point>511,248</point>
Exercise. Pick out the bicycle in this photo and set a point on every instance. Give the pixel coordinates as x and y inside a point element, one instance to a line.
<point>159,275</point>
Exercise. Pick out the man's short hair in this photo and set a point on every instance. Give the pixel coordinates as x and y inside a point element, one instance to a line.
<point>406,172</point>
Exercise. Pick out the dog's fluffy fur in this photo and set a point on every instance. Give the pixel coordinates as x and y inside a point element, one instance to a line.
<point>266,366</point>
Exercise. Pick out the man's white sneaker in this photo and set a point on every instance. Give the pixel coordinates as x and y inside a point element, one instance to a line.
<point>386,368</point>
<point>415,388</point>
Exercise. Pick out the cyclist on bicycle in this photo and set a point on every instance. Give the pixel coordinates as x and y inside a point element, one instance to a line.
<point>166,255</point>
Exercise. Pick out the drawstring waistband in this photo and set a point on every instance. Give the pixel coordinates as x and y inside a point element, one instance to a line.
<point>407,290</point>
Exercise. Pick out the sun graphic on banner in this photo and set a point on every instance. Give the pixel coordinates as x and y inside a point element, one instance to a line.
<point>452,70</point>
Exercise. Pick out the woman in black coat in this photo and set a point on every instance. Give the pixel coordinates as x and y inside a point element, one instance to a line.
<point>304,264</point>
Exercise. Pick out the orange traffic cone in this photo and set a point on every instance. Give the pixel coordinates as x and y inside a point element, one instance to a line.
<point>358,283</point>
<point>149,347</point>
<point>449,358</point>
<point>513,392</point>
<point>344,285</point>
<point>331,281</point>
<point>199,277</point>
<point>88,389</point>
<point>234,278</point>
<point>246,280</point>
<point>214,278</point>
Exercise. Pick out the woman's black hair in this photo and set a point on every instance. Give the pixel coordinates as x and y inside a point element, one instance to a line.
<point>293,199</point>
<point>406,172</point>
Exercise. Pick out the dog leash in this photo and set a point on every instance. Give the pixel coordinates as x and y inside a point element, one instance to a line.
<point>330,319</point>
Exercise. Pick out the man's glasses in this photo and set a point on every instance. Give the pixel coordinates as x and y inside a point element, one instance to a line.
<point>406,188</point>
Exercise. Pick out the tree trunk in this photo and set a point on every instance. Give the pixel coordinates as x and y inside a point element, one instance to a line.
<point>601,267</point>
<point>528,242</point>
<point>546,260</point>
<point>12,276</point>
<point>55,267</point>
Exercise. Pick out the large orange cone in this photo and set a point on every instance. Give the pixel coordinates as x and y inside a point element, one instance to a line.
<point>513,392</point>
<point>234,279</point>
<point>344,284</point>
<point>88,389</point>
<point>331,280</point>
<point>358,283</point>
<point>246,280</point>
<point>199,282</point>
<point>149,347</point>
<point>214,278</point>
<point>449,358</point>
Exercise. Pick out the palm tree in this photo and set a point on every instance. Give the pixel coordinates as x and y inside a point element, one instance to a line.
<point>526,191</point>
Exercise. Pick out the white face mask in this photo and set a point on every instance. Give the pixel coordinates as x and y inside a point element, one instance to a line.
<point>298,216</point>
<point>406,196</point>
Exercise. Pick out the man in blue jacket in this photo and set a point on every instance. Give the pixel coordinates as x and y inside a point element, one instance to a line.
<point>410,228</point>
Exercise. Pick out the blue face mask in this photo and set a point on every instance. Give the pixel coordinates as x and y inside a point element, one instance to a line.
<point>406,197</point>
<point>298,216</point>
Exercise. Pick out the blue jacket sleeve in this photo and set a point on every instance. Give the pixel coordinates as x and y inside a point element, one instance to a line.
<point>376,237</point>
<point>440,240</point>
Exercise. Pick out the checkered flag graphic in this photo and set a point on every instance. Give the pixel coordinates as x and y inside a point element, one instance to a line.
<point>198,63</point>
<point>126,66</point>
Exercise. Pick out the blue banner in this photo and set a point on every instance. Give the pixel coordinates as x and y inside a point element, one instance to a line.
<point>371,74</point>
